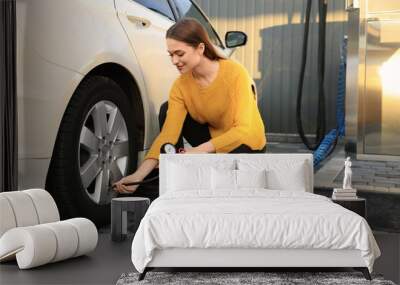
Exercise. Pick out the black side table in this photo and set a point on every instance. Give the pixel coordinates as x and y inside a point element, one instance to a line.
<point>120,207</point>
<point>357,205</point>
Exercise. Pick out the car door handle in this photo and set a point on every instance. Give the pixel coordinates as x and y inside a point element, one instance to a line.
<point>142,21</point>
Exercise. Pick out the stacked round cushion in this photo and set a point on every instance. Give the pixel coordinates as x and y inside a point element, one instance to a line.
<point>31,230</point>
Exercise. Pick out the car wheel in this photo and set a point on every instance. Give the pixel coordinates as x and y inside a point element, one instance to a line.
<point>96,146</point>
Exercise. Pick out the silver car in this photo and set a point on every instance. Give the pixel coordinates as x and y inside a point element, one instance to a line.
<point>91,76</point>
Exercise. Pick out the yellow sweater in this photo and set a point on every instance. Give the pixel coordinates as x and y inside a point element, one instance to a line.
<point>227,105</point>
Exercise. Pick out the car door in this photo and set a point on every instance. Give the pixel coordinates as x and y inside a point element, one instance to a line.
<point>146,23</point>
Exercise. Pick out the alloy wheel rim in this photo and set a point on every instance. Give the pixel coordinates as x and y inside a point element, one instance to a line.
<point>103,151</point>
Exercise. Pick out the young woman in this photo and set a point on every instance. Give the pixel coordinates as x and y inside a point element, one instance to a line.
<point>211,103</point>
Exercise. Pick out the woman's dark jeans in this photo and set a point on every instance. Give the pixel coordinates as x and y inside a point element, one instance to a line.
<point>196,133</point>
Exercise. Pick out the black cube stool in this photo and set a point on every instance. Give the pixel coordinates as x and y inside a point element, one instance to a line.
<point>120,207</point>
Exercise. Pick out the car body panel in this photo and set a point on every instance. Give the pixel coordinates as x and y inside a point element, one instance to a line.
<point>50,67</point>
<point>154,62</point>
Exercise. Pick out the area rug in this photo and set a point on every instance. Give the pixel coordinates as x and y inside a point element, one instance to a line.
<point>243,278</point>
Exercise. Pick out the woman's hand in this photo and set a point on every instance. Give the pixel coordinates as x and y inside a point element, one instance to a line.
<point>119,186</point>
<point>144,169</point>
<point>206,147</point>
<point>192,150</point>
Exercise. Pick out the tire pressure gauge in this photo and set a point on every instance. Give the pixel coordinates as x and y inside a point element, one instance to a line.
<point>168,148</point>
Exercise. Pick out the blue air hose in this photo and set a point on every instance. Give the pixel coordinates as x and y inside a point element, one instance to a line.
<point>330,140</point>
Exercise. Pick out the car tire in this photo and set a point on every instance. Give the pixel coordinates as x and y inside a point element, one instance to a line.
<point>95,146</point>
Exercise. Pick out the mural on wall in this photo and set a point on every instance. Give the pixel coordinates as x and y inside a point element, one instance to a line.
<point>273,55</point>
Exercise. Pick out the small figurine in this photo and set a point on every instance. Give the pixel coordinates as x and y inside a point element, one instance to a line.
<point>347,174</point>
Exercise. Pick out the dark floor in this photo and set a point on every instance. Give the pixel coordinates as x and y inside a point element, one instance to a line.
<point>103,266</point>
<point>110,259</point>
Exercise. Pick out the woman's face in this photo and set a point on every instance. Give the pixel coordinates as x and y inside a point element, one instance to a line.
<point>184,56</point>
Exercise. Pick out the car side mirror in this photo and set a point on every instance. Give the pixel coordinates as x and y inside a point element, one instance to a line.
<point>235,39</point>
